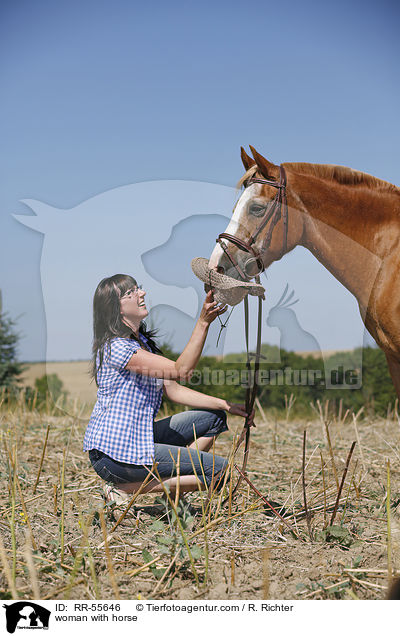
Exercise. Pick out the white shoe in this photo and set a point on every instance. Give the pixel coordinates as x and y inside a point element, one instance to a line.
<point>114,495</point>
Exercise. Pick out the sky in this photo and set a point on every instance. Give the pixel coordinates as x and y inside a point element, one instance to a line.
<point>109,107</point>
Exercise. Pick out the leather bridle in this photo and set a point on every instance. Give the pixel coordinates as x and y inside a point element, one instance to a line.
<point>277,210</point>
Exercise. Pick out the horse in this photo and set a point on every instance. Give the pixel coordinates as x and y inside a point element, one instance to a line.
<point>350,222</point>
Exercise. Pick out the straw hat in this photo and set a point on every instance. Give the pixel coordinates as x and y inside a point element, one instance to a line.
<point>226,289</point>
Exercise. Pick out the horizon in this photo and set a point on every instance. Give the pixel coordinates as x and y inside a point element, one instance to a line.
<point>327,352</point>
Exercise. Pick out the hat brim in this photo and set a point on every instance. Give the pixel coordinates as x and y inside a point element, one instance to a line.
<point>226,289</point>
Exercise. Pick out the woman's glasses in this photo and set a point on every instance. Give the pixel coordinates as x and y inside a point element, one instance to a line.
<point>132,292</point>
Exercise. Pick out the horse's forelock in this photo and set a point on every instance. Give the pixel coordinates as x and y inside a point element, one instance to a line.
<point>249,173</point>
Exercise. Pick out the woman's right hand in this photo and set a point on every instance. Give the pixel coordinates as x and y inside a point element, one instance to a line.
<point>240,409</point>
<point>211,309</point>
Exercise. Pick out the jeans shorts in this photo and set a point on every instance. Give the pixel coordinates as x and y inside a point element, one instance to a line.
<point>171,435</point>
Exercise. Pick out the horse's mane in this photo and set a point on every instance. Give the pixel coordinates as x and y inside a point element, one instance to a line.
<point>340,174</point>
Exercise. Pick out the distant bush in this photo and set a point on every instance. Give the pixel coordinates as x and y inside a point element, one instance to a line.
<point>47,392</point>
<point>49,384</point>
<point>10,368</point>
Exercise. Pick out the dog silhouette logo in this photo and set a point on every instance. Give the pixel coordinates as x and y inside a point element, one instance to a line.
<point>26,615</point>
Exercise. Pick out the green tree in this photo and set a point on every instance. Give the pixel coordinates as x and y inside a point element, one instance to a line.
<point>10,368</point>
<point>378,390</point>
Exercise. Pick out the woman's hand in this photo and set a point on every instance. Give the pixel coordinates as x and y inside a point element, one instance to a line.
<point>240,409</point>
<point>211,309</point>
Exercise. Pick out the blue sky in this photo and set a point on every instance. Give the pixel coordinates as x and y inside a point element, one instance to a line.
<point>99,95</point>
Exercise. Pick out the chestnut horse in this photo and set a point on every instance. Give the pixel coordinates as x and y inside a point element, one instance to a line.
<point>349,220</point>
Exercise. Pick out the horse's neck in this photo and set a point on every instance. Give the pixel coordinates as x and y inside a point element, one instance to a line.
<point>342,228</point>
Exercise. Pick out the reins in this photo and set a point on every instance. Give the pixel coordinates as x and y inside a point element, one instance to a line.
<point>251,392</point>
<point>278,210</point>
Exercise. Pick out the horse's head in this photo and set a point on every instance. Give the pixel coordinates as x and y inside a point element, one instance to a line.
<point>258,222</point>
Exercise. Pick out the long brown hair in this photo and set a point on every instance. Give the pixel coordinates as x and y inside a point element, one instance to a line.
<point>107,321</point>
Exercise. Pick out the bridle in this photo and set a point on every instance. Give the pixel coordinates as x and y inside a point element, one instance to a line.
<point>277,210</point>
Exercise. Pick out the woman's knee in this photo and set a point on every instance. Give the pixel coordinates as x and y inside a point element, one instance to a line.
<point>214,468</point>
<point>217,423</point>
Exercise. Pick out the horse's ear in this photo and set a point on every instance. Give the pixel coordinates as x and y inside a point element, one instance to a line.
<point>268,170</point>
<point>248,162</point>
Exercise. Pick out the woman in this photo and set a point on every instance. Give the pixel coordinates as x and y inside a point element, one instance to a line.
<point>123,440</point>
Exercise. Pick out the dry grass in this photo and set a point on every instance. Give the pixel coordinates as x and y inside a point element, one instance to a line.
<point>61,541</point>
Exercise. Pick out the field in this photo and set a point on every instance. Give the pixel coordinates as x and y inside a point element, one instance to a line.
<point>60,541</point>
<point>74,376</point>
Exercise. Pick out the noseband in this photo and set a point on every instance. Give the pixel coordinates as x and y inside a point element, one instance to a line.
<point>278,210</point>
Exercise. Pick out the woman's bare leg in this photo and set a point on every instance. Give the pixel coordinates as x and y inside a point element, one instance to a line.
<point>187,483</point>
<point>203,444</point>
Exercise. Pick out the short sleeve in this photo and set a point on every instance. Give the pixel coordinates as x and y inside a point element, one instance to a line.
<point>121,351</point>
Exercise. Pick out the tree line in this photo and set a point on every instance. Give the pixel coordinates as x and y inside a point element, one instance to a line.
<point>356,378</point>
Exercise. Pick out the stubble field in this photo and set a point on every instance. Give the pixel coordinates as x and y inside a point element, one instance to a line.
<point>60,541</point>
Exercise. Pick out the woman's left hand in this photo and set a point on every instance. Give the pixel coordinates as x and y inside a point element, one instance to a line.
<point>240,409</point>
<point>211,309</point>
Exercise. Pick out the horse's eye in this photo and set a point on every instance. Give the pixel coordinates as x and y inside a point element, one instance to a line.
<point>256,209</point>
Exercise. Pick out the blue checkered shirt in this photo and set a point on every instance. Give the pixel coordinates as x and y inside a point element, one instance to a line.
<point>121,424</point>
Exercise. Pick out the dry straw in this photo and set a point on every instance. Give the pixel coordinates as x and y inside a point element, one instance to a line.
<point>342,483</point>
<point>62,523</point>
<point>389,534</point>
<point>303,474</point>
<point>226,539</point>
<point>25,513</point>
<point>31,566</point>
<point>7,571</point>
<point>110,567</point>
<point>41,459</point>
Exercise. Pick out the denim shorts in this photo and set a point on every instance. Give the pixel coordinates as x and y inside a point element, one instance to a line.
<point>171,435</point>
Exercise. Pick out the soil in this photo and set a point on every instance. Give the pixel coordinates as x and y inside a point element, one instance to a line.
<point>248,552</point>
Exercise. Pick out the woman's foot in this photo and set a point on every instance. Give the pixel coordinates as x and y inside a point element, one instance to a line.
<point>114,495</point>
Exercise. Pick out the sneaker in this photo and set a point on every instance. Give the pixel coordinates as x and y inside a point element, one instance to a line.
<point>114,495</point>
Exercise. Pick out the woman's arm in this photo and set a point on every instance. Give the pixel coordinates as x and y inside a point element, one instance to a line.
<point>188,397</point>
<point>147,363</point>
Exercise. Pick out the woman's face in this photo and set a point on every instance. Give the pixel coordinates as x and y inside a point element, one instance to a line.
<point>133,307</point>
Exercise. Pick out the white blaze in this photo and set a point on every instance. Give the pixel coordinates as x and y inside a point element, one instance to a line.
<point>235,223</point>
